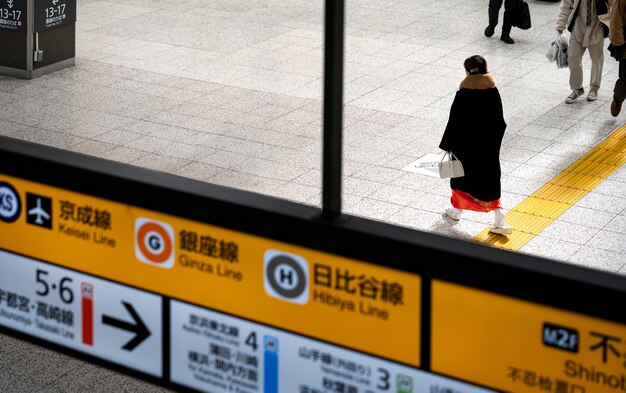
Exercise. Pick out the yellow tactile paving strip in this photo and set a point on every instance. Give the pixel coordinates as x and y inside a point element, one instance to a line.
<point>546,204</point>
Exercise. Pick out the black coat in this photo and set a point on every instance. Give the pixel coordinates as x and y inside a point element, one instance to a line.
<point>474,134</point>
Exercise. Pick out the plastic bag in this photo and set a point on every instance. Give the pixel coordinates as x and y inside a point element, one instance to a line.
<point>557,51</point>
<point>553,50</point>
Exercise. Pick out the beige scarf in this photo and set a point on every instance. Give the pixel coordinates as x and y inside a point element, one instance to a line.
<point>479,81</point>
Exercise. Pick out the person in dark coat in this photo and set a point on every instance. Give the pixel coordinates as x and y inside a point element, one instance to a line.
<point>617,36</point>
<point>474,135</point>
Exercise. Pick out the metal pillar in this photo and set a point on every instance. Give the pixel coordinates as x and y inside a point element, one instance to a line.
<point>333,109</point>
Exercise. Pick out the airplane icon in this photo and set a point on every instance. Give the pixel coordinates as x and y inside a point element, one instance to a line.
<point>39,212</point>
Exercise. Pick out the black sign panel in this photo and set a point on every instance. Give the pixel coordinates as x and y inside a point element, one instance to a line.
<point>13,15</point>
<point>560,337</point>
<point>54,13</point>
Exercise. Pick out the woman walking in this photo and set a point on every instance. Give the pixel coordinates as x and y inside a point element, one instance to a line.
<point>474,135</point>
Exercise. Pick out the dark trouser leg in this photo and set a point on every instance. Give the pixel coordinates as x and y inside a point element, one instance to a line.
<point>509,11</point>
<point>494,10</point>
<point>619,92</point>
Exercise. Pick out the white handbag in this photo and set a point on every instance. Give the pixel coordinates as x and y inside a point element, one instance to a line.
<point>451,167</point>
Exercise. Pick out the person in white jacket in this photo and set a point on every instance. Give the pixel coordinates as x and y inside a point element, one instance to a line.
<point>582,19</point>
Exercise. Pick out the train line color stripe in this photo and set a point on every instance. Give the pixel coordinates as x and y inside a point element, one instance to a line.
<point>546,204</point>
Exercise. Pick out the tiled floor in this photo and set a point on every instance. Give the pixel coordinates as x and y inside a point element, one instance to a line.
<point>229,92</point>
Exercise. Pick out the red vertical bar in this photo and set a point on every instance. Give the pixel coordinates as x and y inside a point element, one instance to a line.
<point>87,308</point>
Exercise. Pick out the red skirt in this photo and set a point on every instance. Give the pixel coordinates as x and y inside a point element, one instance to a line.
<point>464,201</point>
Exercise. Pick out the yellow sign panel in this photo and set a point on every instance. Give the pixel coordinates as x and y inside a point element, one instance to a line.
<point>519,346</point>
<point>335,299</point>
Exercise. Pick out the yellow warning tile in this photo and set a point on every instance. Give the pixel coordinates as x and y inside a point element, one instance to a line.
<point>538,225</point>
<point>564,194</point>
<point>614,144</point>
<point>482,237</point>
<point>606,170</point>
<point>599,169</point>
<point>492,239</point>
<point>609,143</point>
<point>576,179</point>
<point>543,191</point>
<point>550,208</point>
<point>617,159</point>
<point>571,196</point>
<point>596,168</point>
<point>559,193</point>
<point>606,155</point>
<point>515,214</point>
<point>546,191</point>
<point>589,182</point>
<point>518,221</point>
<point>561,178</point>
<point>535,213</point>
<point>519,209</point>
<point>590,168</point>
<point>527,204</point>
<point>620,133</point>
<point>519,241</point>
<point>556,210</point>
<point>595,155</point>
<point>533,210</point>
<point>531,224</point>
<point>580,166</point>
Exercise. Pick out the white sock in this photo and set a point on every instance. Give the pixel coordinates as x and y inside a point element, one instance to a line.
<point>500,218</point>
<point>455,210</point>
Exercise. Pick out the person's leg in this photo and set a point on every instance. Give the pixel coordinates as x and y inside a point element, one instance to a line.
<point>494,10</point>
<point>509,11</point>
<point>619,92</point>
<point>596,52</point>
<point>575,63</point>
<point>575,53</point>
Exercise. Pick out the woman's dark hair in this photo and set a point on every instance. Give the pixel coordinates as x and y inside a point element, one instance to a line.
<point>475,65</point>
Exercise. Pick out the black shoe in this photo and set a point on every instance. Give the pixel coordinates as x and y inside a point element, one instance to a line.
<point>616,108</point>
<point>489,31</point>
<point>507,39</point>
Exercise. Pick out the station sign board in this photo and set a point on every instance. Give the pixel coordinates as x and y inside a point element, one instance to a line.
<point>13,15</point>
<point>524,346</point>
<point>191,299</point>
<point>268,281</point>
<point>113,322</point>
<point>240,307</point>
<point>215,352</point>
<point>49,14</point>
